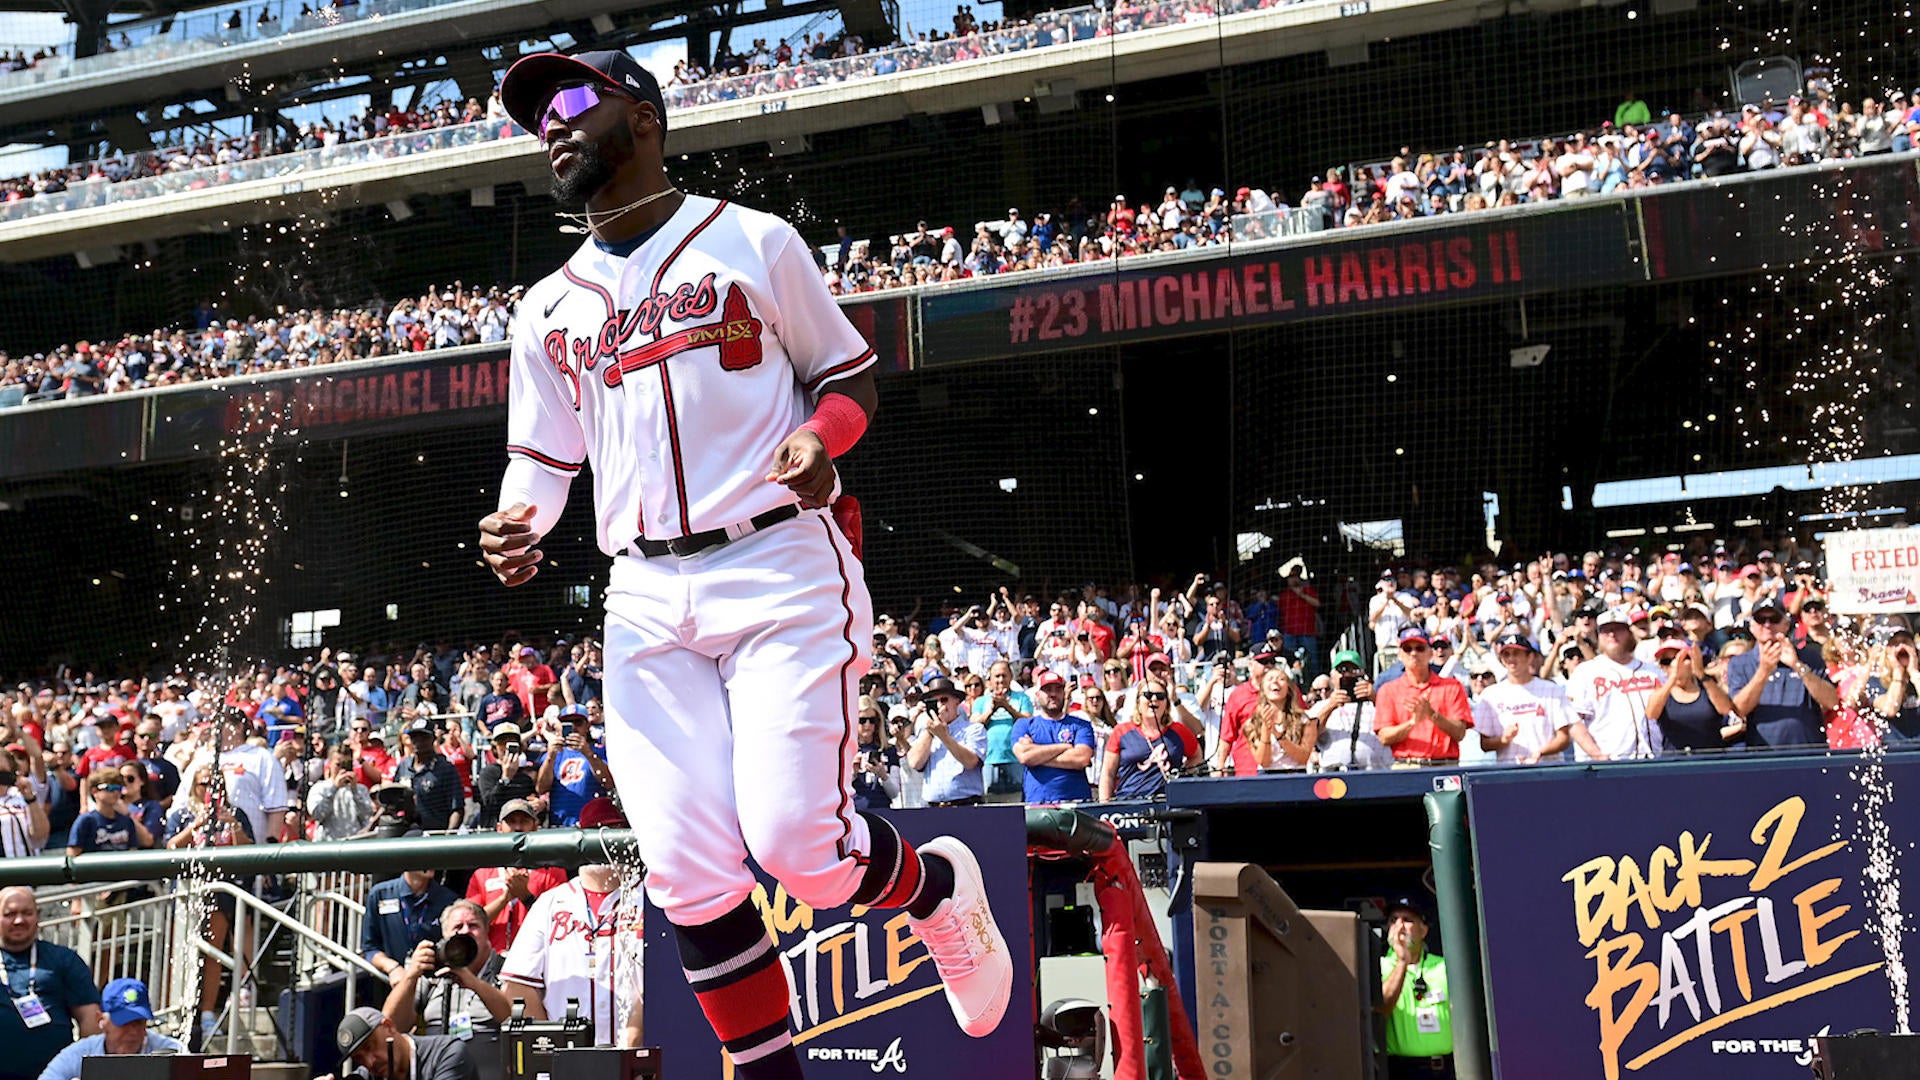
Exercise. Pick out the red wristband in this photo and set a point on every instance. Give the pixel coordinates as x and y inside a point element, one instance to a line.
<point>839,421</point>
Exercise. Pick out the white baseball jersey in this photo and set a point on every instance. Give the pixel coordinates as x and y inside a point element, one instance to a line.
<point>718,331</point>
<point>1537,709</point>
<point>16,827</point>
<point>256,783</point>
<point>565,951</point>
<point>1612,699</point>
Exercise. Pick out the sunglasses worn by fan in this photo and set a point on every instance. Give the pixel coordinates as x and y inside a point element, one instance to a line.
<point>568,105</point>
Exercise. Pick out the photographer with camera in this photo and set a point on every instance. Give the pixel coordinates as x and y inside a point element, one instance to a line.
<point>452,986</point>
<point>1347,739</point>
<point>379,1050</point>
<point>401,913</point>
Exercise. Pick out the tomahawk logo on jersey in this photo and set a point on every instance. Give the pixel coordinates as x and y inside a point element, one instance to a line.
<point>717,331</point>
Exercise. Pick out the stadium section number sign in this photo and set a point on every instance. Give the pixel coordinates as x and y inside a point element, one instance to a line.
<point>1702,924</point>
<point>866,1001</point>
<point>1874,571</point>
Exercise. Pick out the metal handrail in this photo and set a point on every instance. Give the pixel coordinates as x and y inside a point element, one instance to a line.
<point>548,847</point>
<point>314,937</point>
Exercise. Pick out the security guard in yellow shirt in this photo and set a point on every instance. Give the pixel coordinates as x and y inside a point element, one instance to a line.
<point>1414,998</point>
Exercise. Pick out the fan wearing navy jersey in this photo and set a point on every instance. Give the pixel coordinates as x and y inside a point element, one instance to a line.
<point>108,826</point>
<point>1148,748</point>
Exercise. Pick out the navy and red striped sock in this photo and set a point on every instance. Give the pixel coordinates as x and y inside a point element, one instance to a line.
<point>897,876</point>
<point>735,973</point>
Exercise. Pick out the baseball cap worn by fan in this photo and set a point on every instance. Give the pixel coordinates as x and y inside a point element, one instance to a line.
<point>531,82</point>
<point>600,813</point>
<point>1046,677</point>
<point>1515,641</point>
<point>126,1000</point>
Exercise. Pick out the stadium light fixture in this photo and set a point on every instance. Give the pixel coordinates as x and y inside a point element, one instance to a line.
<point>1527,356</point>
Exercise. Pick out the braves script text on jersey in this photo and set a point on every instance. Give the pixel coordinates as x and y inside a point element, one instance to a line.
<point>572,948</point>
<point>1612,698</point>
<point>730,674</point>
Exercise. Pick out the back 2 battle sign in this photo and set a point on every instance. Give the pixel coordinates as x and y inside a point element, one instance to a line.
<point>1642,921</point>
<point>865,999</point>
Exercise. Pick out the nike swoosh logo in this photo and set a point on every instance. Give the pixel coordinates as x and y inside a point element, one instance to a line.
<point>548,314</point>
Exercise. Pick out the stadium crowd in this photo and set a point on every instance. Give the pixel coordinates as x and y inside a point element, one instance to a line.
<point>1686,651</point>
<point>1634,153</point>
<point>1095,693</point>
<point>1634,149</point>
<point>208,161</point>
<point>1628,152</point>
<point>221,345</point>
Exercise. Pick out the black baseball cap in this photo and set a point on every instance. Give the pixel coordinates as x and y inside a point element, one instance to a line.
<point>1515,641</point>
<point>1408,903</point>
<point>531,82</point>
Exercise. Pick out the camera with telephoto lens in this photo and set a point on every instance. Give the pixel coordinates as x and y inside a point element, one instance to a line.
<point>8,778</point>
<point>455,951</point>
<point>1348,682</point>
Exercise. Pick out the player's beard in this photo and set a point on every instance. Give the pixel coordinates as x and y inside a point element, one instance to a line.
<point>594,166</point>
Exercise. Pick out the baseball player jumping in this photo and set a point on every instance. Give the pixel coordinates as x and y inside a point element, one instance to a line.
<point>690,350</point>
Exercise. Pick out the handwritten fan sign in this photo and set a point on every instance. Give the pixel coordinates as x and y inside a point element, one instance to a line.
<point>1874,571</point>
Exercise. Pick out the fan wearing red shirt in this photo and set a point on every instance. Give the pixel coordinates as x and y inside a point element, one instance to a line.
<point>529,677</point>
<point>370,757</point>
<point>1092,624</point>
<point>1242,699</point>
<point>1421,715</point>
<point>505,892</point>
<point>111,750</point>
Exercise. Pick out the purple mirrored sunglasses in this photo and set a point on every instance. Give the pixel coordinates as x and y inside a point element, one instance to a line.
<point>567,105</point>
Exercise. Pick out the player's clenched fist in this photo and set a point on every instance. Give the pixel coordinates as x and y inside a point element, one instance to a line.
<point>803,464</point>
<point>507,541</point>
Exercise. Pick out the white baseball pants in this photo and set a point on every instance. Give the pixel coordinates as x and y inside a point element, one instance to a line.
<point>731,682</point>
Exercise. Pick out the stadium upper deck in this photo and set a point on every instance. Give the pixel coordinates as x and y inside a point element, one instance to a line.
<point>1200,39</point>
<point>199,56</point>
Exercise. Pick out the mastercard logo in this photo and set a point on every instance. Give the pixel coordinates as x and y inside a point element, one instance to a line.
<point>1331,787</point>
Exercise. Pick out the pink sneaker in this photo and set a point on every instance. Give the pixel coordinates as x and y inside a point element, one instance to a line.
<point>966,944</point>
